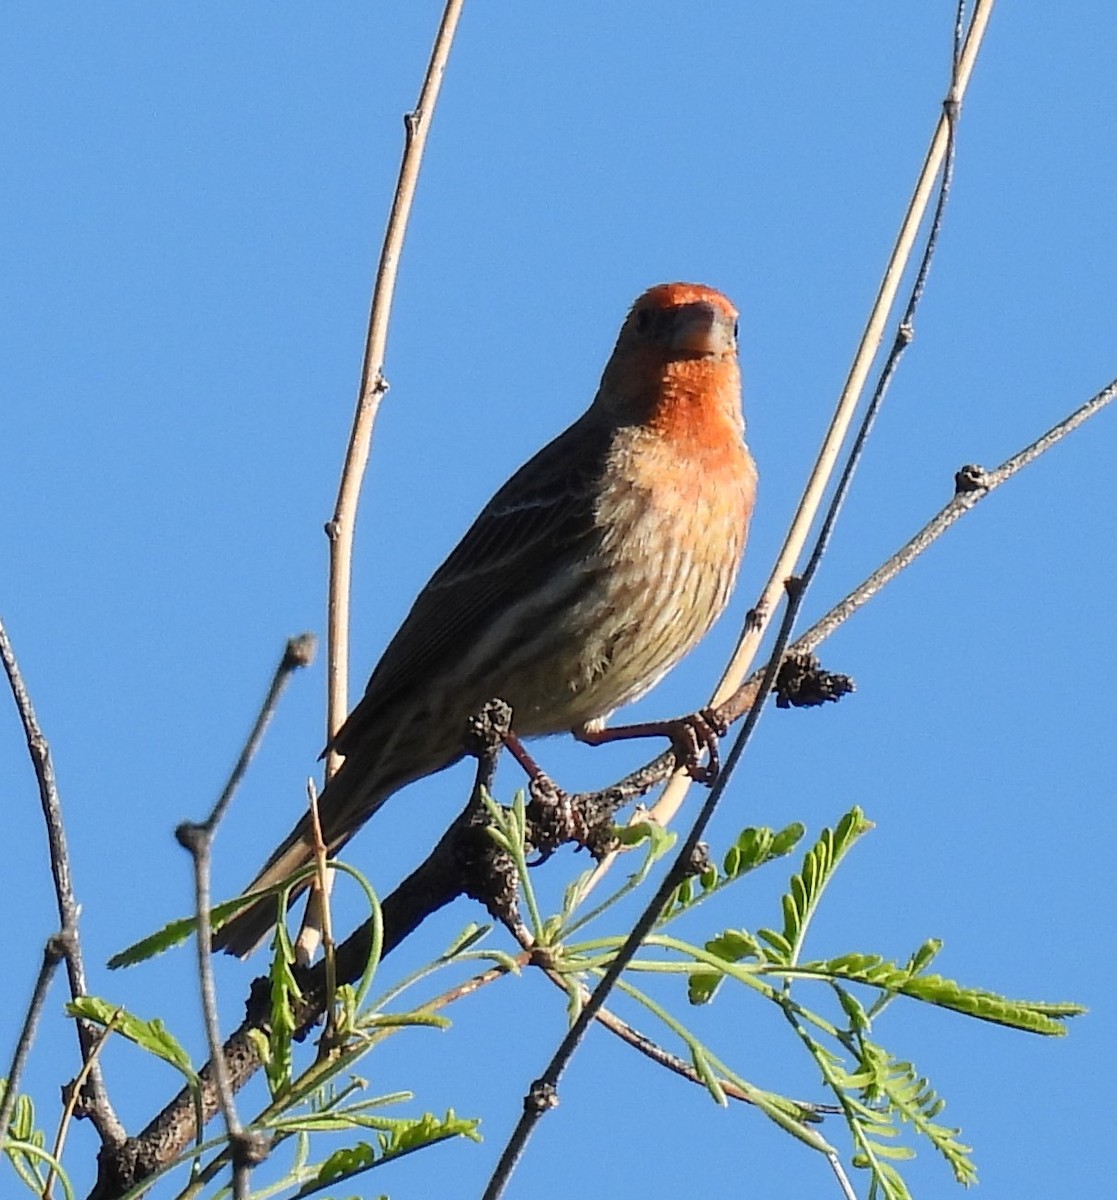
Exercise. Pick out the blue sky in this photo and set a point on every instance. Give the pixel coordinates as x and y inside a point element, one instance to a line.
<point>192,203</point>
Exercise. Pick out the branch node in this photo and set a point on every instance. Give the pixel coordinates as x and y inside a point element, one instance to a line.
<point>756,617</point>
<point>299,651</point>
<point>541,1098</point>
<point>802,683</point>
<point>487,729</point>
<point>971,478</point>
<point>378,387</point>
<point>60,945</point>
<point>250,1147</point>
<point>699,862</point>
<point>191,836</point>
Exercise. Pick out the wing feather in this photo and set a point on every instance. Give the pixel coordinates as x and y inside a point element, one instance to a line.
<point>542,517</point>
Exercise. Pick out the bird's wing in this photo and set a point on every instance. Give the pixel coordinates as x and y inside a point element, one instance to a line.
<point>543,516</point>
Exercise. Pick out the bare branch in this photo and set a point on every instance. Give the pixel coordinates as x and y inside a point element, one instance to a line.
<point>972,484</point>
<point>53,954</point>
<point>373,383</point>
<point>94,1099</point>
<point>252,1148</point>
<point>342,525</point>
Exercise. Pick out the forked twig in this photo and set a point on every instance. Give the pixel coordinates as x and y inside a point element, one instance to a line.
<point>249,1149</point>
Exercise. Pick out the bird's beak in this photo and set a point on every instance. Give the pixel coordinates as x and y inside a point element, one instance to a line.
<point>702,328</point>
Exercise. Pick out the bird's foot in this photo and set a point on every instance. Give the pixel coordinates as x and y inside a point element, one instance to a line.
<point>694,738</point>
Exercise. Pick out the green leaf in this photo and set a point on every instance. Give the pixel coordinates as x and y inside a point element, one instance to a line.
<point>778,943</point>
<point>915,1102</point>
<point>732,945</point>
<point>1031,1016</point>
<point>466,940</point>
<point>702,985</point>
<point>707,1075</point>
<point>21,1139</point>
<point>177,932</point>
<point>396,1137</point>
<point>806,888</point>
<point>753,848</point>
<point>152,1036</point>
<point>854,1009</point>
<point>283,991</point>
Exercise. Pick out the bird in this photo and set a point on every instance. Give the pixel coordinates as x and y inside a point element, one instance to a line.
<point>599,564</point>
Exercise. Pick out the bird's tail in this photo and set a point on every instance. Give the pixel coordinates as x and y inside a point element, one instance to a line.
<point>342,810</point>
<point>244,932</point>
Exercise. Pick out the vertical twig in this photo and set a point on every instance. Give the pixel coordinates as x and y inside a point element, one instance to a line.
<point>66,943</point>
<point>373,383</point>
<point>248,1149</point>
<point>859,371</point>
<point>342,525</point>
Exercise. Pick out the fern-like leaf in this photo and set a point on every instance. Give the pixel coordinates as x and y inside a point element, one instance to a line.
<point>806,888</point>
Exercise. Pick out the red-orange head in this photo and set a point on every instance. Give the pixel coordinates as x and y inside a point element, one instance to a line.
<point>675,361</point>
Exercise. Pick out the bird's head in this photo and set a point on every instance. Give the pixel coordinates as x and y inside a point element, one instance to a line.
<point>677,345</point>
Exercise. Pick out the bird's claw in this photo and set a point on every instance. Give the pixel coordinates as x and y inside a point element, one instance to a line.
<point>697,736</point>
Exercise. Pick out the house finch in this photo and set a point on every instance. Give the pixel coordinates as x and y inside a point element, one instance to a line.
<point>592,571</point>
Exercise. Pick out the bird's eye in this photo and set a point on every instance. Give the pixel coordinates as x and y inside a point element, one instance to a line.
<point>643,320</point>
<point>736,325</point>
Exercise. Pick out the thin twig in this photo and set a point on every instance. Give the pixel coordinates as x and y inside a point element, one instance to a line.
<point>95,1100</point>
<point>373,386</point>
<point>321,854</point>
<point>841,1176</point>
<point>299,652</point>
<point>53,954</point>
<point>72,1094</point>
<point>248,1149</point>
<point>972,484</point>
<point>633,1037</point>
<point>542,1095</point>
<point>373,383</point>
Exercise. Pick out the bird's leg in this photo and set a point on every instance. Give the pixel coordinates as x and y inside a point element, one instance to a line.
<point>541,787</point>
<point>690,736</point>
<point>519,752</point>
<point>554,819</point>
